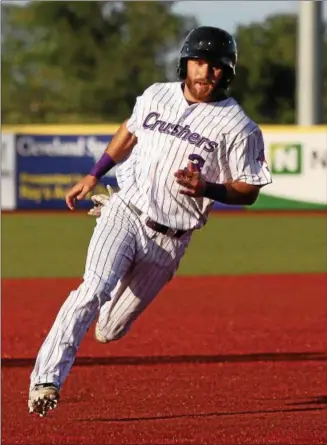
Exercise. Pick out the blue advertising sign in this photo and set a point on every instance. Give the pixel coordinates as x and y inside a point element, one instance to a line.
<point>49,165</point>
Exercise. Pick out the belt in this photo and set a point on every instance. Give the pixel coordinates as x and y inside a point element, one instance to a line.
<point>157,227</point>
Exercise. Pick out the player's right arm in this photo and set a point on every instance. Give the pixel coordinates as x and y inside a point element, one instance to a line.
<point>116,151</point>
<point>122,143</point>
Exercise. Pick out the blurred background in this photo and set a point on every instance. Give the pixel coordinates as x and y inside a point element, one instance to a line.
<point>86,61</point>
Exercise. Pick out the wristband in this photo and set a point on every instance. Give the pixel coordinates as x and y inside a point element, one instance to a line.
<point>104,164</point>
<point>216,192</point>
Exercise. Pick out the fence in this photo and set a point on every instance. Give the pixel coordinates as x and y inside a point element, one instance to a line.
<point>40,163</point>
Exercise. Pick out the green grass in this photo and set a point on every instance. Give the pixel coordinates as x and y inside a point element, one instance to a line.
<point>54,245</point>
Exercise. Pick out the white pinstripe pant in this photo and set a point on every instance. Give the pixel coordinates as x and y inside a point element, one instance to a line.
<point>127,265</point>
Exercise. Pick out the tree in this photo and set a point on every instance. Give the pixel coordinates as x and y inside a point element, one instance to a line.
<point>87,61</point>
<point>267,68</point>
<point>84,61</point>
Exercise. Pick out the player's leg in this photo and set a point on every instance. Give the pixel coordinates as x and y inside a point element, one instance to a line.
<point>130,301</point>
<point>110,255</point>
<point>106,309</point>
<point>139,288</point>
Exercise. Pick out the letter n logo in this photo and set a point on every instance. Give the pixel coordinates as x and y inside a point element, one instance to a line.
<point>286,158</point>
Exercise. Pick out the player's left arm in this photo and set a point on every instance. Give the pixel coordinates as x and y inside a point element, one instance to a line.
<point>249,172</point>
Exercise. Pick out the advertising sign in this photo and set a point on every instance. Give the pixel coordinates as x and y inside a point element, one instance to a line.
<point>8,183</point>
<point>49,165</point>
<point>46,165</point>
<point>298,164</point>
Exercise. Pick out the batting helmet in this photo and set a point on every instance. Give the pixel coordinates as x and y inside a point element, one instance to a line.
<point>212,44</point>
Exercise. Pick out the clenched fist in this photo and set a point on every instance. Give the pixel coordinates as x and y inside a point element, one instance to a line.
<point>192,181</point>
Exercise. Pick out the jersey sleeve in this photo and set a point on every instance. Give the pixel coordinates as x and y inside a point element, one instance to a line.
<point>247,160</point>
<point>132,123</point>
<point>135,121</point>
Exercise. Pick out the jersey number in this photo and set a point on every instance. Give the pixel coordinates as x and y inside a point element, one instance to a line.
<point>197,161</point>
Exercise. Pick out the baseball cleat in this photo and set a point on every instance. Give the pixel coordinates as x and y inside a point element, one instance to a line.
<point>98,336</point>
<point>42,398</point>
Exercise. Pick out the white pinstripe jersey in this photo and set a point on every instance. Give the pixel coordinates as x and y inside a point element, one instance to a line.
<point>225,142</point>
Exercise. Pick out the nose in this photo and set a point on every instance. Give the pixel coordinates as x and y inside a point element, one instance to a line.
<point>205,70</point>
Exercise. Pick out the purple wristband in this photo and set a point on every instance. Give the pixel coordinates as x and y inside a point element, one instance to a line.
<point>104,164</point>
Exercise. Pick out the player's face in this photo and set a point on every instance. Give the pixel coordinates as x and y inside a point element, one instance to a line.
<point>202,78</point>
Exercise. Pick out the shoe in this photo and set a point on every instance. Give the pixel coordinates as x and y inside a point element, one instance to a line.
<point>98,336</point>
<point>42,398</point>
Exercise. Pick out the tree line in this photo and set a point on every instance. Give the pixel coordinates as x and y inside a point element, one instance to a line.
<point>85,62</point>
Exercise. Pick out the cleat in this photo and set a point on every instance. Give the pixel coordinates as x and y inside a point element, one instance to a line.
<point>98,336</point>
<point>42,398</point>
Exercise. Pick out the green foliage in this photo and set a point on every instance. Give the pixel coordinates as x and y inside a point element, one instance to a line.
<point>87,61</point>
<point>266,73</point>
<point>84,61</point>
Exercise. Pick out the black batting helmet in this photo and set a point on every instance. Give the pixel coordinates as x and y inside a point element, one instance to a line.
<point>212,44</point>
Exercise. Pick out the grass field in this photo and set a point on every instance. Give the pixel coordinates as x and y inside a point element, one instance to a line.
<point>55,245</point>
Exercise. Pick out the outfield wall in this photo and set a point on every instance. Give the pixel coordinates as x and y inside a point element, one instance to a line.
<point>39,163</point>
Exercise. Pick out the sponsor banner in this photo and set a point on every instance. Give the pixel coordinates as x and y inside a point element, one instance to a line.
<point>8,183</point>
<point>298,164</point>
<point>49,165</point>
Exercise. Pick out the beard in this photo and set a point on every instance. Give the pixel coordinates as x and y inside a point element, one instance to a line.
<point>201,90</point>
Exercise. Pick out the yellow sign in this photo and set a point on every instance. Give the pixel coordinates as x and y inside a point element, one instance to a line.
<point>39,188</point>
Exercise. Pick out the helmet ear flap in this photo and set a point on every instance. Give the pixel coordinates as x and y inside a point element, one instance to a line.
<point>227,77</point>
<point>182,69</point>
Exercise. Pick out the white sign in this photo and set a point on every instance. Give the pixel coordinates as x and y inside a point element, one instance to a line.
<point>28,145</point>
<point>298,164</point>
<point>8,169</point>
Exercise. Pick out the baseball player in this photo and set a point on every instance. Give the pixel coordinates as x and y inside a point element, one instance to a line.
<point>186,145</point>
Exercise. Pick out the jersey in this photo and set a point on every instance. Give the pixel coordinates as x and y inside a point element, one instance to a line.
<point>224,142</point>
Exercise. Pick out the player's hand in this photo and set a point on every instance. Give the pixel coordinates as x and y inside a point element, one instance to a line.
<point>99,201</point>
<point>190,178</point>
<point>80,190</point>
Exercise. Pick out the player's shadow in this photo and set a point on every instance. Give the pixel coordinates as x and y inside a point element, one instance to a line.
<point>17,362</point>
<point>320,400</point>
<point>320,406</point>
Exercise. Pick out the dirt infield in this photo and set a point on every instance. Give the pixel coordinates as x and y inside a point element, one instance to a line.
<point>223,360</point>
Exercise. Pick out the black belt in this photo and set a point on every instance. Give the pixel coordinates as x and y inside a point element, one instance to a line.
<point>157,227</point>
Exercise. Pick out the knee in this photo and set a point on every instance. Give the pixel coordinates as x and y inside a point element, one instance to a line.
<point>112,332</point>
<point>96,288</point>
<point>114,336</point>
